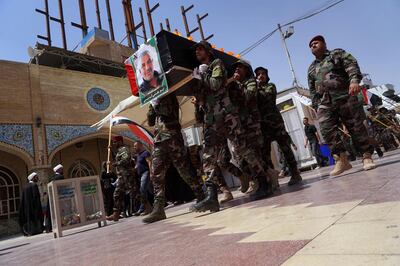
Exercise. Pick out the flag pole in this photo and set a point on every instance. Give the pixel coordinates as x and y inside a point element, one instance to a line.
<point>109,147</point>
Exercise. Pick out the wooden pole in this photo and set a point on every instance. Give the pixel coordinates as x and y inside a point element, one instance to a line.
<point>149,17</point>
<point>167,24</point>
<point>98,14</point>
<point>109,148</point>
<point>110,23</point>
<point>60,7</point>
<point>142,24</point>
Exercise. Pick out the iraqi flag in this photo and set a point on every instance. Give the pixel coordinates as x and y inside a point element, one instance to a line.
<point>131,77</point>
<point>137,130</point>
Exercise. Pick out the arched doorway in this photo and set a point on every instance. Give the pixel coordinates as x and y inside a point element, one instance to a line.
<point>9,193</point>
<point>83,156</point>
<point>81,168</point>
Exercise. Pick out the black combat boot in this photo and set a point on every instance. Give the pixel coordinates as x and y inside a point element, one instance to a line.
<point>210,203</point>
<point>264,189</point>
<point>199,194</point>
<point>379,152</point>
<point>295,178</point>
<point>158,212</point>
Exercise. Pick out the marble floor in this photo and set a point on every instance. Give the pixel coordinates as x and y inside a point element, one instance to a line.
<point>353,219</point>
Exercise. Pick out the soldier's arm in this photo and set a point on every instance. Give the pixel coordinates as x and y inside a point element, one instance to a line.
<point>273,89</point>
<point>151,116</point>
<point>311,86</point>
<point>351,67</point>
<point>251,100</point>
<point>217,78</point>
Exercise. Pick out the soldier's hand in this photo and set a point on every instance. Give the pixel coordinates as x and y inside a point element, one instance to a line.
<point>196,74</point>
<point>236,76</point>
<point>354,89</point>
<point>203,68</point>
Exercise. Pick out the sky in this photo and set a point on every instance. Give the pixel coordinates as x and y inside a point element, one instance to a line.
<point>368,29</point>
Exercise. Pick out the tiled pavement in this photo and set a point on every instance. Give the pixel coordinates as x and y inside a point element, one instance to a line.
<point>353,219</point>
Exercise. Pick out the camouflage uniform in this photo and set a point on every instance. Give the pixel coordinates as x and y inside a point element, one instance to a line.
<point>220,119</point>
<point>329,80</point>
<point>273,127</point>
<point>224,155</point>
<point>125,177</point>
<point>224,161</point>
<point>246,146</point>
<point>169,146</point>
<point>382,134</point>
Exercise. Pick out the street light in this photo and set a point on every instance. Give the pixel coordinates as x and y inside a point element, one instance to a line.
<point>289,32</point>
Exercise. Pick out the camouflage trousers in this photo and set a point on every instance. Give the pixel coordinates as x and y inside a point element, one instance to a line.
<point>349,112</point>
<point>224,161</point>
<point>172,151</point>
<point>248,154</point>
<point>278,133</point>
<point>385,138</point>
<point>125,182</point>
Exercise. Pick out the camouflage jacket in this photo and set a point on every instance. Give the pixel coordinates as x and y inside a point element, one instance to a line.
<point>213,95</point>
<point>123,157</point>
<point>244,97</point>
<point>164,117</point>
<point>266,97</point>
<point>329,78</point>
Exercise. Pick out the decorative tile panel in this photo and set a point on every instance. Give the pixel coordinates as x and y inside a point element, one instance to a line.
<point>98,99</point>
<point>18,135</point>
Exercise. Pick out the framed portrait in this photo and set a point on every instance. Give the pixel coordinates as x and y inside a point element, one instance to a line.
<point>150,76</point>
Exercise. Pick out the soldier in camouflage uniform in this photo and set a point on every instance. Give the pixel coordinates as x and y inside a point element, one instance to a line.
<point>333,79</point>
<point>125,175</point>
<point>223,160</point>
<point>247,146</point>
<point>382,134</point>
<point>221,121</point>
<point>272,124</point>
<point>169,148</point>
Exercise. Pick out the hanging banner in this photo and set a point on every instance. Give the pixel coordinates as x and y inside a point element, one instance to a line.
<point>150,77</point>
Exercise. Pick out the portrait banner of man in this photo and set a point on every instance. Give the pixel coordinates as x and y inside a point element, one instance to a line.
<point>150,77</point>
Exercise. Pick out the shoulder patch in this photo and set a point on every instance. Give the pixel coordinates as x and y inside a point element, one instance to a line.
<point>217,71</point>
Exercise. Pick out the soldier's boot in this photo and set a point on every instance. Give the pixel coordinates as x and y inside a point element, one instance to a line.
<point>147,208</point>
<point>114,217</point>
<point>210,203</point>
<point>295,178</point>
<point>199,194</point>
<point>273,176</point>
<point>244,181</point>
<point>341,164</point>
<point>158,212</point>
<point>253,186</point>
<point>368,163</point>
<point>379,152</point>
<point>227,195</point>
<point>264,189</point>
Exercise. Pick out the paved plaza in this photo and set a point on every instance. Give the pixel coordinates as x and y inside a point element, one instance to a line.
<point>353,219</point>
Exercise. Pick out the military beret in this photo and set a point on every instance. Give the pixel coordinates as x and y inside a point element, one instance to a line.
<point>117,138</point>
<point>317,38</point>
